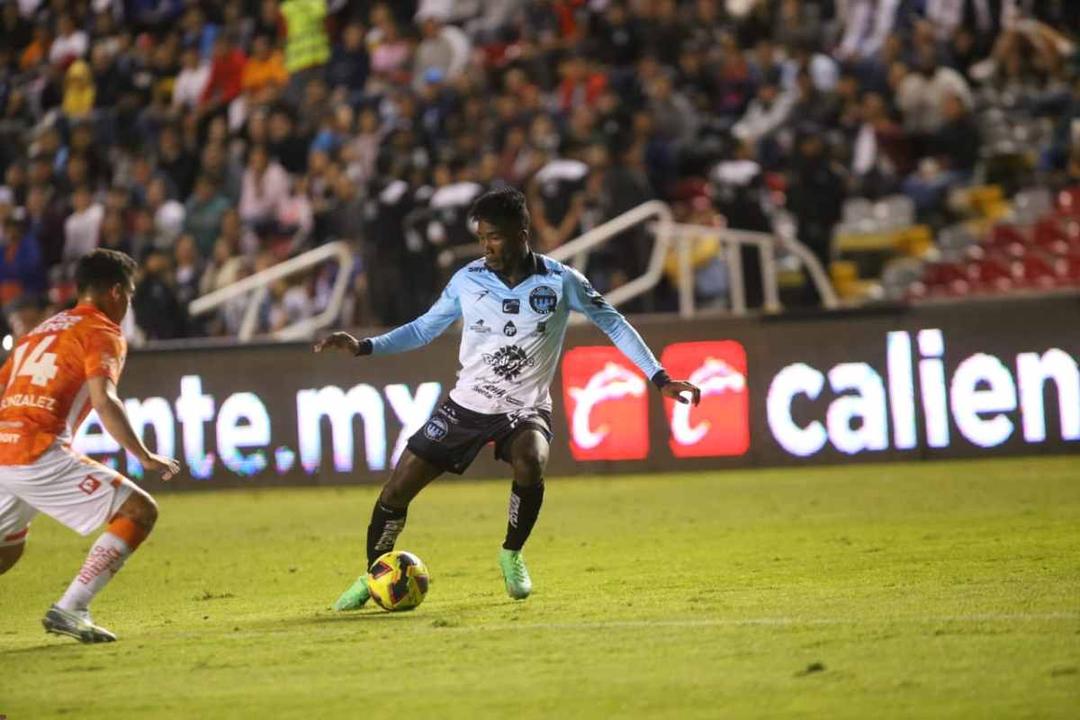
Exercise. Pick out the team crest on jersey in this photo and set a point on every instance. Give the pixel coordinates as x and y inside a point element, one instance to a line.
<point>510,329</point>
<point>436,429</point>
<point>508,362</point>
<point>543,300</point>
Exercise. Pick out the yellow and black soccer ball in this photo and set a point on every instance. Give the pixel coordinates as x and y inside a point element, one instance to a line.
<point>398,580</point>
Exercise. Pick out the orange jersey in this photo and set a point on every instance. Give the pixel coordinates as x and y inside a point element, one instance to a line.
<point>46,394</point>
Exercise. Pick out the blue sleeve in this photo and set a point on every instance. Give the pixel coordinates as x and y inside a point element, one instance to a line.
<point>585,299</point>
<point>423,329</point>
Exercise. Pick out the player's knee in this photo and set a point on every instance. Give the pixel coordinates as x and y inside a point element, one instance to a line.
<point>529,465</point>
<point>141,508</point>
<point>9,555</point>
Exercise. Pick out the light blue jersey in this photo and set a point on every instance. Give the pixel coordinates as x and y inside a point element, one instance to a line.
<point>512,337</point>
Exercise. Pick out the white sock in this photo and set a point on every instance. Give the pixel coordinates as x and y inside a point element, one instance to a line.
<point>107,556</point>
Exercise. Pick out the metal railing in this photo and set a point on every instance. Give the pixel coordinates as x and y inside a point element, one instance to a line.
<point>580,247</point>
<point>767,245</point>
<point>256,287</point>
<point>682,236</point>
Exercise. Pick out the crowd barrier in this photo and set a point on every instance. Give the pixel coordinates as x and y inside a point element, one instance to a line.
<point>980,379</point>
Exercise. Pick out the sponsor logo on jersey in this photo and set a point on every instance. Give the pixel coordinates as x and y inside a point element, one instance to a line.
<point>541,328</point>
<point>720,424</point>
<point>543,300</point>
<point>479,327</point>
<point>436,429</point>
<point>56,323</point>
<point>606,405</point>
<point>511,306</point>
<point>509,329</point>
<point>89,484</point>
<point>507,362</point>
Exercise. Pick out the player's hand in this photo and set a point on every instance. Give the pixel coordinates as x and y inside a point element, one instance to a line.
<point>168,467</point>
<point>338,341</point>
<point>676,388</point>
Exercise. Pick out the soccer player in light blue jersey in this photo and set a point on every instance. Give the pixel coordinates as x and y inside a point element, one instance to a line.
<point>514,305</point>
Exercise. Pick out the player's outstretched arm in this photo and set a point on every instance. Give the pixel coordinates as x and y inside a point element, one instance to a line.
<point>585,299</point>
<point>105,401</point>
<point>410,336</point>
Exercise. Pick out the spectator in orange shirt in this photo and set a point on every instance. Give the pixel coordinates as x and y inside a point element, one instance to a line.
<point>38,48</point>
<point>264,72</point>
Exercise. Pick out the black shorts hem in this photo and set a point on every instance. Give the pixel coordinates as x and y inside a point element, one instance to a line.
<point>502,447</point>
<point>425,454</point>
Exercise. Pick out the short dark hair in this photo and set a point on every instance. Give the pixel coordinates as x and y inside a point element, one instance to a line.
<point>102,269</point>
<point>504,208</point>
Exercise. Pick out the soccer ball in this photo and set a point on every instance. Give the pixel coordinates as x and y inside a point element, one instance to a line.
<point>398,580</point>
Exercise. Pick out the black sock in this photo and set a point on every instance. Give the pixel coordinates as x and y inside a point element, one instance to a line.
<point>525,505</point>
<point>386,524</point>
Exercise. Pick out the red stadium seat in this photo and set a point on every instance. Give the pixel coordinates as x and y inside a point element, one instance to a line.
<point>1034,272</point>
<point>1004,237</point>
<point>1068,270</point>
<point>1051,236</point>
<point>941,279</point>
<point>941,274</point>
<point>1068,201</point>
<point>989,276</point>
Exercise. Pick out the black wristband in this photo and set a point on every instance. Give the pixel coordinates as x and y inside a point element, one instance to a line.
<point>661,378</point>
<point>364,347</point>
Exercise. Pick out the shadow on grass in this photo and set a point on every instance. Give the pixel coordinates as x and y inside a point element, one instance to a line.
<point>52,648</point>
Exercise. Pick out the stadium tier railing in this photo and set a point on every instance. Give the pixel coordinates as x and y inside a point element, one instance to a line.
<point>256,286</point>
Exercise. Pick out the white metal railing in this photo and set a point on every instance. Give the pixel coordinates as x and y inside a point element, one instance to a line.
<point>767,244</point>
<point>580,247</point>
<point>681,237</point>
<point>256,286</point>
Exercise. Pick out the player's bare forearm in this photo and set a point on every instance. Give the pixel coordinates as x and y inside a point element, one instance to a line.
<point>107,403</point>
<point>117,424</point>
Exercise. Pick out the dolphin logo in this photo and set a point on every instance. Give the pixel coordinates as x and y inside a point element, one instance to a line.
<point>611,383</point>
<point>714,377</point>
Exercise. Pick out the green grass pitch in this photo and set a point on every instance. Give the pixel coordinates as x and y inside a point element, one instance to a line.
<point>922,590</point>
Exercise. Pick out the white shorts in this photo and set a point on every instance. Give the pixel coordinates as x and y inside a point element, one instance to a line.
<point>71,488</point>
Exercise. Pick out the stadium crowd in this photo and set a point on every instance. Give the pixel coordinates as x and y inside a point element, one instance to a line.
<point>212,140</point>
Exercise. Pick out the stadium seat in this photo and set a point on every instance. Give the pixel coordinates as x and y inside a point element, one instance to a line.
<point>1031,204</point>
<point>857,210</point>
<point>1068,201</point>
<point>1034,272</point>
<point>945,279</point>
<point>955,238</point>
<point>1068,271</point>
<point>1050,235</point>
<point>989,276</point>
<point>1003,235</point>
<point>895,211</point>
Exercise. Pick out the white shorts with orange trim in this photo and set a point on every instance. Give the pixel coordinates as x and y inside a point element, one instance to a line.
<point>71,488</point>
